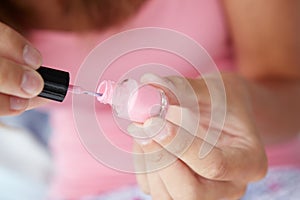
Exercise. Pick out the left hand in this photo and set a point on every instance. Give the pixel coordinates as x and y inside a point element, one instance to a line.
<point>182,165</point>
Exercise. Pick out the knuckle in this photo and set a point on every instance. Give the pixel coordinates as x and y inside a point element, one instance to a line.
<point>240,192</point>
<point>260,174</point>
<point>179,147</point>
<point>9,73</point>
<point>11,78</point>
<point>158,159</point>
<point>263,169</point>
<point>216,169</point>
<point>6,33</point>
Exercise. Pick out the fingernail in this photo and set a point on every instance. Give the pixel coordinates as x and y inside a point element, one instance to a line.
<point>137,132</point>
<point>163,135</point>
<point>31,56</point>
<point>18,103</point>
<point>31,82</point>
<point>134,130</point>
<point>156,128</point>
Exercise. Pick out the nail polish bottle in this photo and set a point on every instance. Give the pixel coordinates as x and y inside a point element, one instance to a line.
<point>129,99</point>
<point>133,101</point>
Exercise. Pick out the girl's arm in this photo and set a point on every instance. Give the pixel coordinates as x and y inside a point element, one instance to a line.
<point>266,37</point>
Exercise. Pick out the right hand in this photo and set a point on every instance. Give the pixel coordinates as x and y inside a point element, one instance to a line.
<point>19,82</point>
<point>206,147</point>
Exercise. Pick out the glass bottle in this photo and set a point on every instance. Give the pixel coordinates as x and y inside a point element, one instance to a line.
<point>133,101</point>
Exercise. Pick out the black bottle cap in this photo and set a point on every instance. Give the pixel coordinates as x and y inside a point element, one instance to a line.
<point>56,83</point>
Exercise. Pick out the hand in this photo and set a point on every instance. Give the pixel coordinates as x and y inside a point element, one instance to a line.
<point>19,82</point>
<point>184,161</point>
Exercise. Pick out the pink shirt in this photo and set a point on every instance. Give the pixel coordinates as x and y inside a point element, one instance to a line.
<point>77,173</point>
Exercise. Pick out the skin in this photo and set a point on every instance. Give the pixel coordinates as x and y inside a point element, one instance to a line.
<point>267,45</point>
<point>267,48</point>
<point>220,173</point>
<point>18,61</point>
<point>262,96</point>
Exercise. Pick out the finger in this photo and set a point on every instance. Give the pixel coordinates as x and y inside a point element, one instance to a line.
<point>192,94</point>
<point>181,182</point>
<point>13,46</point>
<point>178,90</point>
<point>11,105</point>
<point>154,161</point>
<point>150,183</point>
<point>193,99</point>
<point>192,186</point>
<point>187,119</point>
<point>19,80</point>
<point>239,150</point>
<point>233,155</point>
<point>226,163</point>
<point>141,169</point>
<point>158,189</point>
<point>37,102</point>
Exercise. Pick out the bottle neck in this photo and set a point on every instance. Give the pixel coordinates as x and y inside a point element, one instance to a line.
<point>106,88</point>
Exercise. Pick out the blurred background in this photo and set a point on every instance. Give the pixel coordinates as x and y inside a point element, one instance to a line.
<point>25,159</point>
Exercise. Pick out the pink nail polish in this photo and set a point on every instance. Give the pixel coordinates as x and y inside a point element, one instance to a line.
<point>133,101</point>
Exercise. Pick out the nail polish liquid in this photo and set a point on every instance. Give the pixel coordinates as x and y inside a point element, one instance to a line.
<point>133,101</point>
